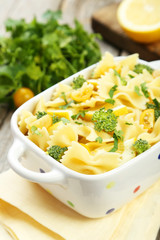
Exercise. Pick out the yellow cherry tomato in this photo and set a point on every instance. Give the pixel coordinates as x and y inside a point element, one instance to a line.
<point>22,95</point>
<point>147,119</point>
<point>82,94</point>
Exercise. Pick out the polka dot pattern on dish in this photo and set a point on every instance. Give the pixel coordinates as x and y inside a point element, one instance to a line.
<point>70,203</point>
<point>110,185</point>
<point>110,210</point>
<point>49,191</point>
<point>136,189</point>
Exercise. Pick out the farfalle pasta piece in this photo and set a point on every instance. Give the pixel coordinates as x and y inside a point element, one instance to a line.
<point>106,82</point>
<point>155,82</point>
<point>61,88</point>
<point>45,121</point>
<point>104,65</point>
<point>90,103</point>
<point>55,103</point>
<point>82,94</point>
<point>154,87</point>
<point>154,136</point>
<point>94,147</point>
<point>91,134</point>
<point>135,81</point>
<point>40,106</point>
<point>40,137</point>
<point>130,98</point>
<point>132,116</point>
<point>54,127</point>
<point>22,124</point>
<point>155,93</point>
<point>29,121</point>
<point>60,113</point>
<point>63,136</point>
<point>147,77</point>
<point>86,163</point>
<point>130,131</point>
<point>129,62</point>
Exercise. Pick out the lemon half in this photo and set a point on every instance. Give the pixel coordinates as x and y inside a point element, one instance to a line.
<point>140,19</point>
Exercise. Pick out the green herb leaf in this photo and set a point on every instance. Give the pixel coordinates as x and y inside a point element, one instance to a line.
<point>66,105</point>
<point>81,113</point>
<point>39,54</point>
<point>79,123</point>
<point>131,76</point>
<point>111,93</point>
<point>128,123</point>
<point>34,130</point>
<point>111,101</point>
<point>123,81</point>
<point>112,90</point>
<point>137,90</point>
<point>99,139</point>
<point>65,120</point>
<point>115,148</point>
<point>140,67</point>
<point>117,135</point>
<point>63,95</point>
<point>144,89</point>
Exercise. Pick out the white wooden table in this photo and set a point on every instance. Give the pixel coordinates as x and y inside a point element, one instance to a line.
<point>79,9</point>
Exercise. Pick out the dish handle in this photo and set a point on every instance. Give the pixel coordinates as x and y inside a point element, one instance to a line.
<point>16,152</point>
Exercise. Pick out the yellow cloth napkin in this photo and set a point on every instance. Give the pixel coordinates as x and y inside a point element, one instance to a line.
<point>27,212</point>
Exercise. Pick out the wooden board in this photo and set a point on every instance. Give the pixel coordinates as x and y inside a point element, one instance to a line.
<point>104,21</point>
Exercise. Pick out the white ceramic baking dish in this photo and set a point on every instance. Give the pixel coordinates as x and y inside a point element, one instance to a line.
<point>93,196</point>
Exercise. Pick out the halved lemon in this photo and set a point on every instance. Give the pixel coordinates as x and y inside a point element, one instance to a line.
<point>140,19</point>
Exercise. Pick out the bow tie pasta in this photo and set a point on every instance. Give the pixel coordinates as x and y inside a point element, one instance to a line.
<point>96,124</point>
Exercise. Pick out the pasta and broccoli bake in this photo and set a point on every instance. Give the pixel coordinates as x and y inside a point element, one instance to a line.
<point>96,124</point>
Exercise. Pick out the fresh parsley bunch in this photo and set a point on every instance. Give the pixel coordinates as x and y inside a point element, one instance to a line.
<point>37,54</point>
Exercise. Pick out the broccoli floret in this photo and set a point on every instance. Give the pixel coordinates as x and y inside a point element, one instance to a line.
<point>138,68</point>
<point>141,146</point>
<point>104,120</point>
<point>55,119</point>
<point>78,82</point>
<point>40,114</point>
<point>56,152</point>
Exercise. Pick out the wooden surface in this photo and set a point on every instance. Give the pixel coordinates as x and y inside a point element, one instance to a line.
<point>80,9</point>
<point>104,21</point>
